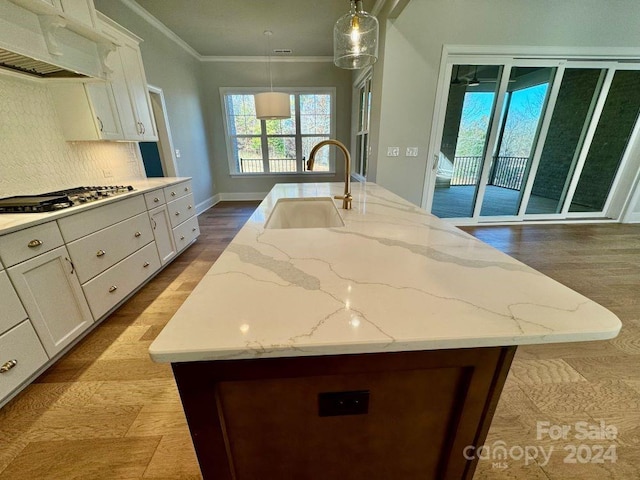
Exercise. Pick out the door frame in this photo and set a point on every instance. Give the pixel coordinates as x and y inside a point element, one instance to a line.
<point>165,142</point>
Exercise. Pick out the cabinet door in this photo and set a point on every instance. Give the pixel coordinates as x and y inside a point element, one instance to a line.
<point>134,73</point>
<point>130,127</point>
<point>104,107</point>
<point>53,298</point>
<point>163,234</point>
<point>80,10</point>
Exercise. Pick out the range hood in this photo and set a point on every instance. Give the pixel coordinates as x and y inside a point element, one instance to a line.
<point>37,68</point>
<point>38,40</point>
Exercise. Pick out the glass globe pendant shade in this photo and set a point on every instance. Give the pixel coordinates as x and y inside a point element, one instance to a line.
<point>272,105</point>
<point>355,39</point>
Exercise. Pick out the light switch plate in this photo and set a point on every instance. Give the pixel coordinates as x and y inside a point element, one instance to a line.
<point>412,152</point>
<point>393,151</point>
<point>177,153</point>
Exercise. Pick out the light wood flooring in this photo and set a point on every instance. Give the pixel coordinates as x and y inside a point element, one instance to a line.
<point>105,411</point>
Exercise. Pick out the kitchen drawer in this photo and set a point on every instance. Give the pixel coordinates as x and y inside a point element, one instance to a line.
<point>185,233</point>
<point>95,253</point>
<point>12,312</point>
<point>19,345</point>
<point>176,191</point>
<point>154,199</point>
<point>180,210</point>
<point>85,223</point>
<point>111,287</point>
<point>28,243</point>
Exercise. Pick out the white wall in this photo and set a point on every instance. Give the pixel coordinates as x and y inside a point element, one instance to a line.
<point>413,51</point>
<point>35,158</point>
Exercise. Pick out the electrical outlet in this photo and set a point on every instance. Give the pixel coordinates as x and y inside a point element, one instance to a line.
<point>412,152</point>
<point>177,153</point>
<point>107,173</point>
<point>393,151</point>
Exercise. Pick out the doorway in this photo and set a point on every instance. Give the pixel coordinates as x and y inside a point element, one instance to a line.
<point>524,139</point>
<point>159,158</point>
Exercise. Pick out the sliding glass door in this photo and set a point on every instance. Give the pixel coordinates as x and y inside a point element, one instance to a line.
<point>532,139</point>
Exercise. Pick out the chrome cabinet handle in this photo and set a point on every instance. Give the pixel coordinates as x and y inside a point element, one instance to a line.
<point>100,253</point>
<point>146,264</point>
<point>156,200</point>
<point>137,234</point>
<point>73,267</point>
<point>144,129</point>
<point>112,288</point>
<point>189,207</point>
<point>193,229</point>
<point>155,225</point>
<point>173,194</point>
<point>34,243</point>
<point>101,124</point>
<point>186,189</point>
<point>6,366</point>
<point>177,213</point>
<point>181,237</point>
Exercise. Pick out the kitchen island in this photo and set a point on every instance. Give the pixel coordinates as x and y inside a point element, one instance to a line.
<point>373,350</point>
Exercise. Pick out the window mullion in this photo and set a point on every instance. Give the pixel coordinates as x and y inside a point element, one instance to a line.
<point>265,146</point>
<point>300,163</point>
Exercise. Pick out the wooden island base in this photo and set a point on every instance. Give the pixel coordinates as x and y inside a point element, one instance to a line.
<point>260,419</point>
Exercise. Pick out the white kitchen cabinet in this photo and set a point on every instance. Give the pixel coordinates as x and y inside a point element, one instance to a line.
<point>81,10</point>
<point>30,242</point>
<point>21,355</point>
<point>185,233</point>
<point>87,112</point>
<point>129,84</point>
<point>12,311</point>
<point>163,233</point>
<point>181,209</point>
<point>52,296</point>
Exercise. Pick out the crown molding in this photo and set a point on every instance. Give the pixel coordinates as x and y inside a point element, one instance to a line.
<point>146,15</point>
<point>287,59</point>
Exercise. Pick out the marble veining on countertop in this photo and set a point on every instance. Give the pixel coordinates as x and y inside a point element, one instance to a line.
<point>394,278</point>
<point>11,222</point>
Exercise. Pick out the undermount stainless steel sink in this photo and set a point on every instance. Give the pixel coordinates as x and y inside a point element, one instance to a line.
<point>310,212</point>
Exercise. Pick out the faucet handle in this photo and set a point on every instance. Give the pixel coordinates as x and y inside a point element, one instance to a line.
<point>309,164</point>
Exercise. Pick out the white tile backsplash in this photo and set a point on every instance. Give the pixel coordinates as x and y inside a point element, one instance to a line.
<point>35,158</point>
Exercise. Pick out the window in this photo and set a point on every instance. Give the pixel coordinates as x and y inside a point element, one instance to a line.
<point>278,146</point>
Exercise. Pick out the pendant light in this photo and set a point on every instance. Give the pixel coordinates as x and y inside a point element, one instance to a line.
<point>272,105</point>
<point>474,81</point>
<point>355,38</point>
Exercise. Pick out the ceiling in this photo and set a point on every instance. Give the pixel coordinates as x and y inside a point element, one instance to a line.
<point>235,28</point>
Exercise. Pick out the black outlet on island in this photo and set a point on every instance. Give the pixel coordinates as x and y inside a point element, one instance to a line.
<point>331,404</point>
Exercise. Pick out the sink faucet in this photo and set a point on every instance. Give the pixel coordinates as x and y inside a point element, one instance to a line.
<point>346,198</point>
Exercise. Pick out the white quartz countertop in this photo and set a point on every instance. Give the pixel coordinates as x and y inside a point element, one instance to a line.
<point>11,222</point>
<point>394,278</point>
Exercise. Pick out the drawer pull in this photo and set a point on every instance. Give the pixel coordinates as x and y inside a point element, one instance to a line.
<point>173,194</point>
<point>189,207</point>
<point>112,288</point>
<point>181,237</point>
<point>100,253</point>
<point>8,366</point>
<point>186,189</point>
<point>177,213</point>
<point>156,200</point>
<point>73,267</point>
<point>137,234</point>
<point>34,243</point>
<point>193,229</point>
<point>146,264</point>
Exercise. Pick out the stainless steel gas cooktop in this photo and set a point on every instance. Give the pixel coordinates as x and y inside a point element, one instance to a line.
<point>48,202</point>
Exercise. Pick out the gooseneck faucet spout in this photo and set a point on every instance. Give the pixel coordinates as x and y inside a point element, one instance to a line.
<point>346,198</point>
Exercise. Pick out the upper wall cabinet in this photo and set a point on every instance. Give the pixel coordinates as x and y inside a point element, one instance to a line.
<point>129,83</point>
<point>119,109</point>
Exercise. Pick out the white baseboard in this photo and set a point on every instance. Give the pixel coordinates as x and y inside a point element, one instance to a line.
<point>228,197</point>
<point>207,204</point>
<point>632,218</point>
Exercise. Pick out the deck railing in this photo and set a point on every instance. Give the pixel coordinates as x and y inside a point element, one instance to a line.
<point>275,166</point>
<point>506,172</point>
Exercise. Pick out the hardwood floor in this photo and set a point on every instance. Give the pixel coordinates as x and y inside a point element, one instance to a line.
<point>105,411</point>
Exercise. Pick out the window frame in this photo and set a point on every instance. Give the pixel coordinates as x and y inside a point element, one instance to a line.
<point>234,170</point>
